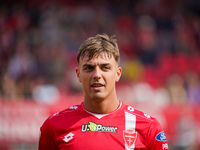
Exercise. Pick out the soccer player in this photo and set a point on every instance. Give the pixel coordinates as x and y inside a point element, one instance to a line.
<point>101,122</point>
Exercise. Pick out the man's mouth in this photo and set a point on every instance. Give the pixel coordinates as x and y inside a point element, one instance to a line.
<point>97,85</point>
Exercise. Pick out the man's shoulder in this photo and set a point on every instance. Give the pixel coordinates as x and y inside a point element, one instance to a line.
<point>138,113</point>
<point>68,112</point>
<point>66,115</point>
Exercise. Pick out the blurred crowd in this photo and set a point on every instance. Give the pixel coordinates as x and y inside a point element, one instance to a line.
<point>159,42</point>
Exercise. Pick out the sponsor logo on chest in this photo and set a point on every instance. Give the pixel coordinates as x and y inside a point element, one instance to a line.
<point>91,126</point>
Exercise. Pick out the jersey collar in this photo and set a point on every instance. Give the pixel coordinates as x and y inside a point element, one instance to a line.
<point>99,116</point>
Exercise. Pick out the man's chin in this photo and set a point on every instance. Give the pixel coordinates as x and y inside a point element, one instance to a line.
<point>98,97</point>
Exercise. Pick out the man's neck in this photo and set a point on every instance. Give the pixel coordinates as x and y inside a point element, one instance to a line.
<point>101,106</point>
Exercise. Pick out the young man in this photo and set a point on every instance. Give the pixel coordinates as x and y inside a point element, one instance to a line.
<point>101,122</point>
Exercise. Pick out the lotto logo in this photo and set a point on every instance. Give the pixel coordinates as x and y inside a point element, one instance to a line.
<point>130,108</point>
<point>68,137</point>
<point>73,107</point>
<point>146,115</point>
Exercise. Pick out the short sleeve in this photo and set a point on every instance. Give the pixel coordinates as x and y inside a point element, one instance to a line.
<point>156,137</point>
<point>46,139</point>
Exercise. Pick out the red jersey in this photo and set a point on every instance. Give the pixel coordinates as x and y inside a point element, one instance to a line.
<point>123,129</point>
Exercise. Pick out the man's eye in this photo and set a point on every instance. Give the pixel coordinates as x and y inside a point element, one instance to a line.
<point>106,67</point>
<point>88,68</point>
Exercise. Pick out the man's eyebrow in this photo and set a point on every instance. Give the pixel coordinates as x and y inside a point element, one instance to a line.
<point>86,65</point>
<point>103,64</point>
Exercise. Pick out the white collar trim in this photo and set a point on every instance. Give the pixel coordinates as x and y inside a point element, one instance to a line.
<point>99,116</point>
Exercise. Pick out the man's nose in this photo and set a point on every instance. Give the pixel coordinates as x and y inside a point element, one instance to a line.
<point>97,73</point>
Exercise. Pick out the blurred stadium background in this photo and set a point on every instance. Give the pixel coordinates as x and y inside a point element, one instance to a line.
<point>159,42</point>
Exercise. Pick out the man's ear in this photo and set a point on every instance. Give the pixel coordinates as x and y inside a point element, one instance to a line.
<point>78,74</point>
<point>119,72</point>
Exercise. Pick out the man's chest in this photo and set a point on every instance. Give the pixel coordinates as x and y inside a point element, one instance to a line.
<point>92,133</point>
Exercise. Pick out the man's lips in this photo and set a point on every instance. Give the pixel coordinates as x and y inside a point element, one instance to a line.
<point>97,85</point>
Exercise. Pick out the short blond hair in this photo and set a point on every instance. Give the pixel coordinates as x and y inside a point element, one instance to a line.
<point>93,46</point>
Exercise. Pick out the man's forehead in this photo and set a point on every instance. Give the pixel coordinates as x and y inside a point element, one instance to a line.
<point>103,55</point>
<point>98,60</point>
